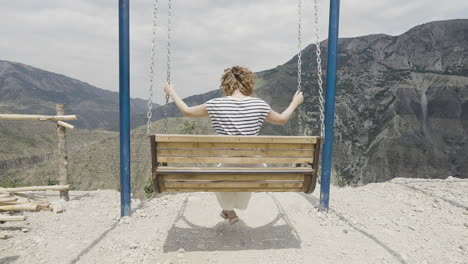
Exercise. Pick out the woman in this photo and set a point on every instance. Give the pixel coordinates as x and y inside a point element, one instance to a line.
<point>237,113</point>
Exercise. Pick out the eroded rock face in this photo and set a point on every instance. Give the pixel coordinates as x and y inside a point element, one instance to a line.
<point>401,105</point>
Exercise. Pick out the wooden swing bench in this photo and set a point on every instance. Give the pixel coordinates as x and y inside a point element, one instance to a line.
<point>302,152</point>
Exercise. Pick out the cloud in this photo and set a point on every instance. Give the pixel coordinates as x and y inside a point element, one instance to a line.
<point>79,38</point>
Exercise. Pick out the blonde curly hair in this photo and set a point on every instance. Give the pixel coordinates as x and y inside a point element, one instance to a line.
<point>237,78</point>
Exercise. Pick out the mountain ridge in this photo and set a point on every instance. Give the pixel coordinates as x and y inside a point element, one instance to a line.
<point>29,90</point>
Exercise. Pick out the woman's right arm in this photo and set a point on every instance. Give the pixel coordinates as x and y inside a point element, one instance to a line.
<point>193,111</point>
<point>281,119</point>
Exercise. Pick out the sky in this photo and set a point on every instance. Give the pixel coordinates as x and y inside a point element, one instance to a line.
<point>79,38</point>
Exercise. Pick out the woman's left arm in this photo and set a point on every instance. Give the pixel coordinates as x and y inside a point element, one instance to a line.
<point>194,111</point>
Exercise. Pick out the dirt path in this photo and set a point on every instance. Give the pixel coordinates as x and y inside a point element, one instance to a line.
<point>401,221</point>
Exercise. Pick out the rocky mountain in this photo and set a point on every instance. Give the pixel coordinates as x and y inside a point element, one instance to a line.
<point>401,105</point>
<point>29,90</point>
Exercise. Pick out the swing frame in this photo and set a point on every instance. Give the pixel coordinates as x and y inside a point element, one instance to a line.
<point>124,105</point>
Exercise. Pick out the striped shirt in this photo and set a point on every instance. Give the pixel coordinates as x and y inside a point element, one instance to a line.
<point>237,116</point>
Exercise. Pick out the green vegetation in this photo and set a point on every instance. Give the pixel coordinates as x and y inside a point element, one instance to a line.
<point>52,181</point>
<point>338,180</point>
<point>148,188</point>
<point>189,127</point>
<point>10,183</point>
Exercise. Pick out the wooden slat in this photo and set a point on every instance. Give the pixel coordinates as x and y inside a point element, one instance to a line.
<point>231,145</point>
<point>8,199</point>
<point>7,218</point>
<point>313,183</point>
<point>235,160</point>
<point>307,182</point>
<point>270,170</point>
<point>65,125</point>
<point>13,203</point>
<point>154,181</point>
<point>235,190</point>
<point>236,152</point>
<point>231,177</point>
<point>36,188</point>
<point>161,183</point>
<point>19,207</point>
<point>37,117</point>
<point>154,165</point>
<point>154,157</point>
<point>315,166</point>
<point>239,139</point>
<point>240,185</point>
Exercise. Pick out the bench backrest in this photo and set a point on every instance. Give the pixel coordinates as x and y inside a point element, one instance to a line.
<point>234,149</point>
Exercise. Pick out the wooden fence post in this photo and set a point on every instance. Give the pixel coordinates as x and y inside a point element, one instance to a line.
<point>62,154</point>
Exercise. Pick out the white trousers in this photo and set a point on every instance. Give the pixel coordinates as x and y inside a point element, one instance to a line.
<point>235,200</point>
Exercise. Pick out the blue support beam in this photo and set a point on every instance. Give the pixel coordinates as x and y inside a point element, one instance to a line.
<point>329,104</point>
<point>124,107</point>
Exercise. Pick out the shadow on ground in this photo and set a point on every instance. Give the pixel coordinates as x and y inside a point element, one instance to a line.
<point>101,237</point>
<point>278,234</point>
<point>8,260</point>
<point>451,202</point>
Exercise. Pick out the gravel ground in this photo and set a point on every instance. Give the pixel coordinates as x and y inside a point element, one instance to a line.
<point>400,221</point>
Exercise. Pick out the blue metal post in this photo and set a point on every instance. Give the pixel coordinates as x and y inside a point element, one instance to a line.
<point>124,106</point>
<point>329,104</point>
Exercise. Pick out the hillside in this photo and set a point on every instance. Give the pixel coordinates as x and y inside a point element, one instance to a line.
<point>28,145</point>
<point>401,221</point>
<point>19,139</point>
<point>28,90</point>
<point>95,165</point>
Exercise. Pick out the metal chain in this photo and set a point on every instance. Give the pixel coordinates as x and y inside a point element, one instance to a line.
<point>152,65</point>
<point>319,73</point>
<point>299,46</point>
<point>169,14</point>
<point>169,25</point>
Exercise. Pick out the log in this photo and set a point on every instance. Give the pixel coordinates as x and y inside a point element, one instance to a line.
<point>36,188</point>
<point>19,207</point>
<point>63,158</point>
<point>37,117</point>
<point>65,125</point>
<point>31,197</point>
<point>4,218</point>
<point>13,203</point>
<point>43,207</point>
<point>9,199</point>
<point>40,206</point>
<point>5,195</point>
